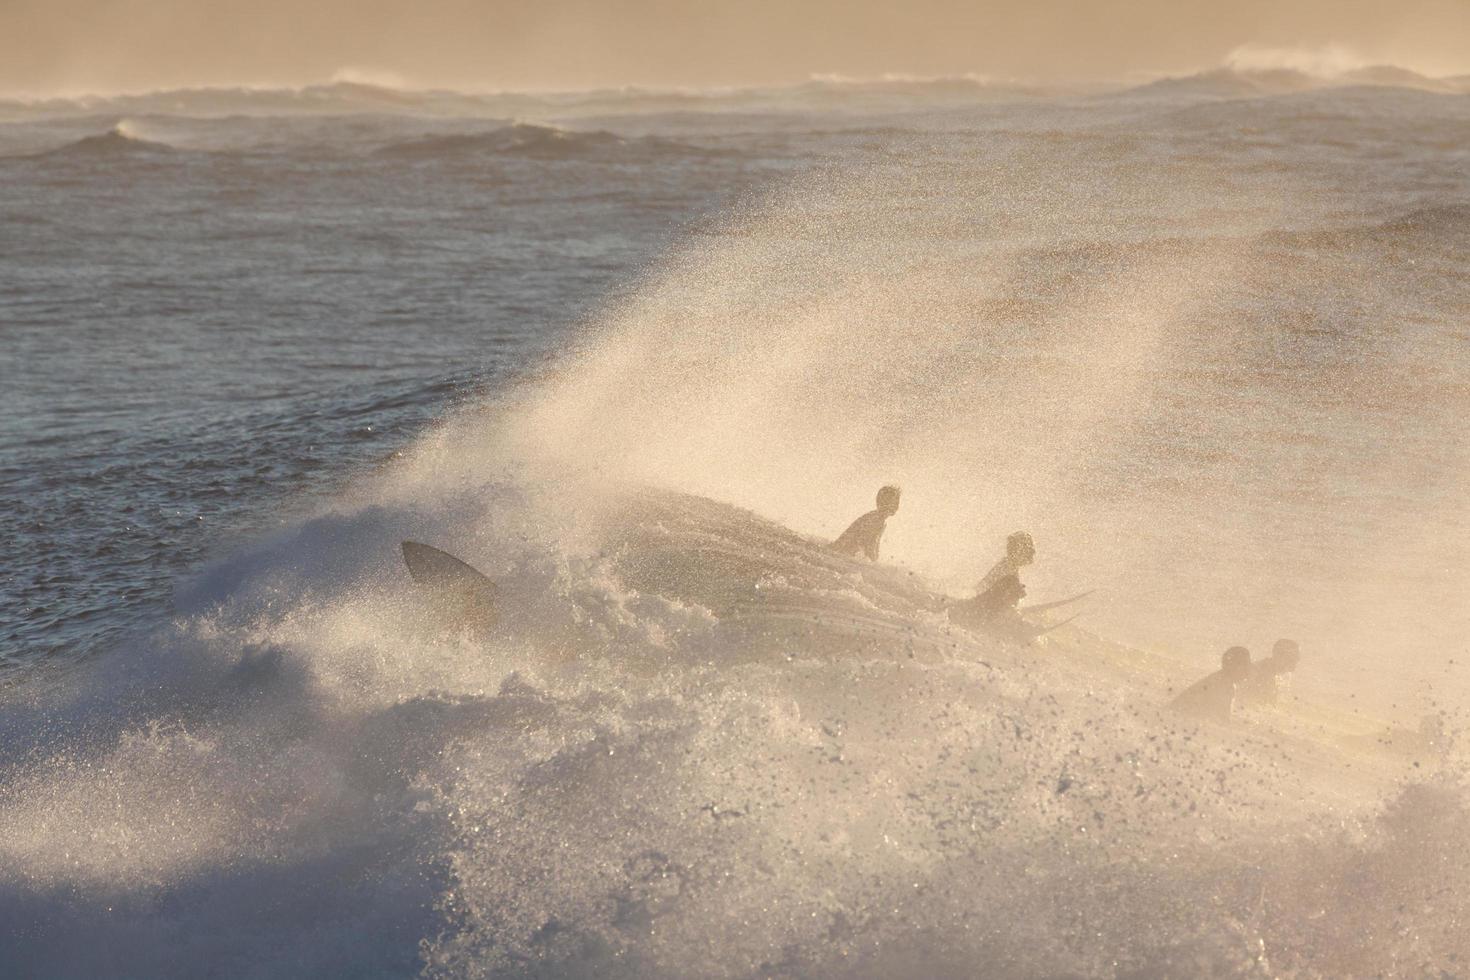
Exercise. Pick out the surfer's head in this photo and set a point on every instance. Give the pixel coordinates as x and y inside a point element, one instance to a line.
<point>1235,663</point>
<point>1286,654</point>
<point>888,500</point>
<point>1020,548</point>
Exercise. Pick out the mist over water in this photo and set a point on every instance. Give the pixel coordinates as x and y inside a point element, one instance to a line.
<point>1053,334</point>
<point>636,366</point>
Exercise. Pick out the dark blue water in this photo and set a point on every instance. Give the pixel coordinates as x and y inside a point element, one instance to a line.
<point>193,340</point>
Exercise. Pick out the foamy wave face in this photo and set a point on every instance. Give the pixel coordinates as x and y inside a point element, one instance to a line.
<point>309,774</point>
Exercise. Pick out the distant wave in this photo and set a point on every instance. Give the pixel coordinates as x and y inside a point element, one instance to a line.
<point>1235,82</point>
<point>967,86</point>
<point>336,98</point>
<point>1248,72</point>
<point>1429,235</point>
<point>541,142</point>
<point>119,141</point>
<point>1324,61</point>
<point>350,94</point>
<point>1444,226</point>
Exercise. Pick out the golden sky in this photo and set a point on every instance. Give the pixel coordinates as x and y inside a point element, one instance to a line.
<point>49,46</point>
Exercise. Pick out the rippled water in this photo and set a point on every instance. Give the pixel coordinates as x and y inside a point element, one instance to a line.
<point>1206,339</point>
<point>194,339</point>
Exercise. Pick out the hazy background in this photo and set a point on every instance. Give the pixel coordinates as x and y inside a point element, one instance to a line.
<point>74,46</point>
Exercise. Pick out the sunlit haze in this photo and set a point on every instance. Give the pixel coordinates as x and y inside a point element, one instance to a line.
<point>76,46</point>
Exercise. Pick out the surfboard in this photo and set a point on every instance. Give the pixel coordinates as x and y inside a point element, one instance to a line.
<point>455,588</point>
<point>1042,630</point>
<point>1044,606</point>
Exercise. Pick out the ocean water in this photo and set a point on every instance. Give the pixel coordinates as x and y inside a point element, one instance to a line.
<point>635,355</point>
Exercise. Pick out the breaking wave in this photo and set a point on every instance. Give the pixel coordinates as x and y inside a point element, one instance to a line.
<point>307,773</point>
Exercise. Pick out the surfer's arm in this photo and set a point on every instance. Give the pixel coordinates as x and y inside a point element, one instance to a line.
<point>1001,570</point>
<point>861,537</point>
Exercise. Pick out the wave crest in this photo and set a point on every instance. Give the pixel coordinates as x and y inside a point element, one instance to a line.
<point>121,141</point>
<point>1253,71</point>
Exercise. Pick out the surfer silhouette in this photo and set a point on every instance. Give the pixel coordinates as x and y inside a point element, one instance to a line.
<point>863,535</point>
<point>1001,589</point>
<point>1212,697</point>
<point>1261,686</point>
<point>1000,592</point>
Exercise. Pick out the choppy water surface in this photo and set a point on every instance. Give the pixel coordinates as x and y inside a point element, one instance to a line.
<point>634,355</point>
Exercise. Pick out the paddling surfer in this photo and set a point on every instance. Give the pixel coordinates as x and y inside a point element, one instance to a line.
<point>1262,685</point>
<point>1212,697</point>
<point>994,606</point>
<point>1000,591</point>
